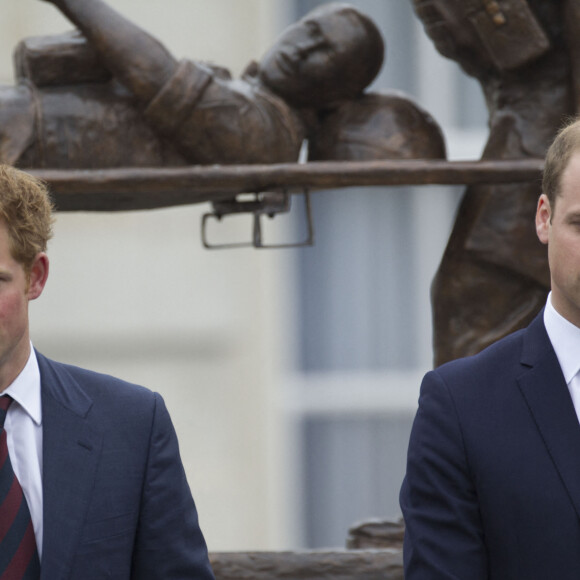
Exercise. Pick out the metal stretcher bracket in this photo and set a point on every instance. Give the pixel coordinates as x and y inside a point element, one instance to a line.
<point>267,204</point>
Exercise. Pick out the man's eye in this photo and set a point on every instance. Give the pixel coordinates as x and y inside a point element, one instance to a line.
<point>313,27</point>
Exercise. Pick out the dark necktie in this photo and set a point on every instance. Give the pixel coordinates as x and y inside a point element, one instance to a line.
<point>18,554</point>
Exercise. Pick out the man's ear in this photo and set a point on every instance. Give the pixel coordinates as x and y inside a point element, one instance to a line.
<point>38,276</point>
<point>543,218</point>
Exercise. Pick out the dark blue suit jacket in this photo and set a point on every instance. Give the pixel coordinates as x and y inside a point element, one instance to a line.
<point>492,489</point>
<point>116,500</point>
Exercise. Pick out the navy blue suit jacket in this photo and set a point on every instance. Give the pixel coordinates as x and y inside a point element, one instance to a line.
<point>492,489</point>
<point>116,500</point>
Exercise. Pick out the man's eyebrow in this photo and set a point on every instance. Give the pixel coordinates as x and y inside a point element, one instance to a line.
<point>573,216</point>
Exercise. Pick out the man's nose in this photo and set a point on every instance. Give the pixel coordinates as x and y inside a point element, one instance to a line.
<point>309,44</point>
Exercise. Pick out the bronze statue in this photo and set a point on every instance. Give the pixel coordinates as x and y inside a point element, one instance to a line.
<point>376,125</point>
<point>111,95</point>
<point>494,276</point>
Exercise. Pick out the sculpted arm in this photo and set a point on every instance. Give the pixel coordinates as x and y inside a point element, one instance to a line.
<point>443,529</point>
<point>136,59</point>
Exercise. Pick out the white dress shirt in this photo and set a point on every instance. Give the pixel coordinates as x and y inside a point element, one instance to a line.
<point>24,435</point>
<point>565,338</point>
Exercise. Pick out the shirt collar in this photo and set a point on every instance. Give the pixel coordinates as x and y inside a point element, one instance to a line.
<point>565,338</point>
<point>25,389</point>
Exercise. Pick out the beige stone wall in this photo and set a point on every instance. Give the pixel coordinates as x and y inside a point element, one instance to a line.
<point>135,295</point>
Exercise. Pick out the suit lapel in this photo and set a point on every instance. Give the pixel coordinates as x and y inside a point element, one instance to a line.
<point>71,448</point>
<point>545,391</point>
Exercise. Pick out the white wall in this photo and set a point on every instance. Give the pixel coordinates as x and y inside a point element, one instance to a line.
<point>135,295</point>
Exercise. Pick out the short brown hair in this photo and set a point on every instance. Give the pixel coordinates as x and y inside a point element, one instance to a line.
<point>370,54</point>
<point>26,209</point>
<point>566,143</point>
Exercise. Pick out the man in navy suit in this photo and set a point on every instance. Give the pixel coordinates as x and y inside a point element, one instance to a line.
<point>97,458</point>
<point>492,489</point>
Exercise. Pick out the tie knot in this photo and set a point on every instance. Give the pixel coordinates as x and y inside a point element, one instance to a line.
<point>5,402</point>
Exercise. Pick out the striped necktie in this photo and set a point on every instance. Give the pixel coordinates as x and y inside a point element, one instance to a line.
<point>18,555</point>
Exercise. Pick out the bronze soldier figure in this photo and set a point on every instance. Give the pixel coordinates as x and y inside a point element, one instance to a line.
<point>494,275</point>
<point>111,95</point>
